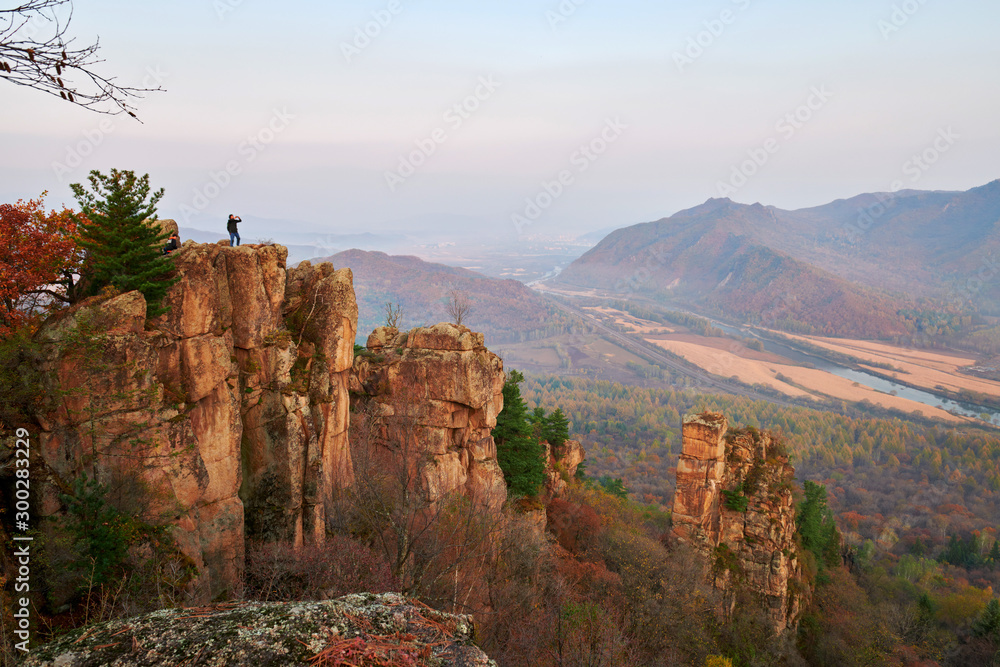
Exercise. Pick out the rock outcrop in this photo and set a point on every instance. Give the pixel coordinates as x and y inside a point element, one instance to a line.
<point>355,629</point>
<point>230,410</point>
<point>443,388</point>
<point>734,505</point>
<point>561,463</point>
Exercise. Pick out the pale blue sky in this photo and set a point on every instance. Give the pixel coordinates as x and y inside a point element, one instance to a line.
<point>688,126</point>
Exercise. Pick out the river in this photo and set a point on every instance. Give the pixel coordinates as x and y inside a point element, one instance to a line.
<point>867,379</point>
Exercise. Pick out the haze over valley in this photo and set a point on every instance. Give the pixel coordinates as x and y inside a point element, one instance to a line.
<point>561,334</point>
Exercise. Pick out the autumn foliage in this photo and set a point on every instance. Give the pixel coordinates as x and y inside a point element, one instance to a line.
<point>38,259</point>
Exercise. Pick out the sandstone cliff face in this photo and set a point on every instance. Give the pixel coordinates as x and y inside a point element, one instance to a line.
<point>231,409</point>
<point>734,504</point>
<point>561,463</point>
<point>446,387</point>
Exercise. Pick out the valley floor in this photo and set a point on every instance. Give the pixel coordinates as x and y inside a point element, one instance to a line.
<point>622,347</point>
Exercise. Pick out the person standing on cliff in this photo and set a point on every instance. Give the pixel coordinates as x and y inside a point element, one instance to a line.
<point>231,228</point>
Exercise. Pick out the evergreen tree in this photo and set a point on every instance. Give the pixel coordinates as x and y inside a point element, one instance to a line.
<point>555,428</point>
<point>123,249</point>
<point>816,525</point>
<point>614,486</point>
<point>988,623</point>
<point>518,451</point>
<point>537,421</point>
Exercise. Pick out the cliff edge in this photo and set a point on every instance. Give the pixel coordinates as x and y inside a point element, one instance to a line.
<point>230,412</point>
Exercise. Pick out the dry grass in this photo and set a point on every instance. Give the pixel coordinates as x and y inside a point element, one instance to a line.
<point>922,368</point>
<point>631,323</point>
<point>817,383</point>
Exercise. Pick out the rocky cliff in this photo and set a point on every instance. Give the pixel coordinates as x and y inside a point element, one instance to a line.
<point>228,418</point>
<point>230,411</point>
<point>734,505</point>
<point>561,464</point>
<point>441,390</point>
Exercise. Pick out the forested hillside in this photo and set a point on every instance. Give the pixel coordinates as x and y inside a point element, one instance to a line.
<point>847,268</point>
<point>895,480</point>
<point>918,505</point>
<point>505,311</point>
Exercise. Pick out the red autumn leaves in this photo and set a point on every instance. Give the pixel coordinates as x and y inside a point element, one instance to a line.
<point>38,259</point>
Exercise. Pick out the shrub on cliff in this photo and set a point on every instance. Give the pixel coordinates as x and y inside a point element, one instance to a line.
<point>123,248</point>
<point>518,451</point>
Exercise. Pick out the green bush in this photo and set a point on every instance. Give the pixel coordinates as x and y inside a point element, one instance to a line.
<point>102,533</point>
<point>735,500</point>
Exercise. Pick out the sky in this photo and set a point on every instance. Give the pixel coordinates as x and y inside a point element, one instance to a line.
<point>517,119</point>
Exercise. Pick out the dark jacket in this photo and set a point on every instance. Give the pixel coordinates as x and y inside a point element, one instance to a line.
<point>231,225</point>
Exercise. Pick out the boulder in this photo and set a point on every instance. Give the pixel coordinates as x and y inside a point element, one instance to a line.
<point>357,629</point>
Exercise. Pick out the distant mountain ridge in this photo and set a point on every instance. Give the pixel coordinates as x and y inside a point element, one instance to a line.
<point>504,310</point>
<point>843,268</point>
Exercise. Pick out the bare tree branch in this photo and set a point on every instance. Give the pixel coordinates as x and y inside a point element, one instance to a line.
<point>459,306</point>
<point>51,63</point>
<point>393,314</point>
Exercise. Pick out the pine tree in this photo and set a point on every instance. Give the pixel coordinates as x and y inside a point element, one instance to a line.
<point>555,429</point>
<point>518,451</point>
<point>123,248</point>
<point>988,623</point>
<point>816,525</point>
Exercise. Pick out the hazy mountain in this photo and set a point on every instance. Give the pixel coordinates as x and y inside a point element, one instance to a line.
<point>505,310</point>
<point>846,267</point>
<point>701,257</point>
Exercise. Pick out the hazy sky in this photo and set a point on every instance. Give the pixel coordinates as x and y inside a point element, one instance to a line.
<point>336,129</point>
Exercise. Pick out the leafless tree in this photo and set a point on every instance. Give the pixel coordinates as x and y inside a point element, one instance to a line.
<point>459,305</point>
<point>49,62</point>
<point>393,314</point>
<point>438,547</point>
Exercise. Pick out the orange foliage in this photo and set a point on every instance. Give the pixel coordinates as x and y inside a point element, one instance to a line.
<point>852,519</point>
<point>573,525</point>
<point>38,255</point>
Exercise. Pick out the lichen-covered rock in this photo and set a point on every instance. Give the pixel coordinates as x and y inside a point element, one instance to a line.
<point>733,504</point>
<point>448,387</point>
<point>386,629</point>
